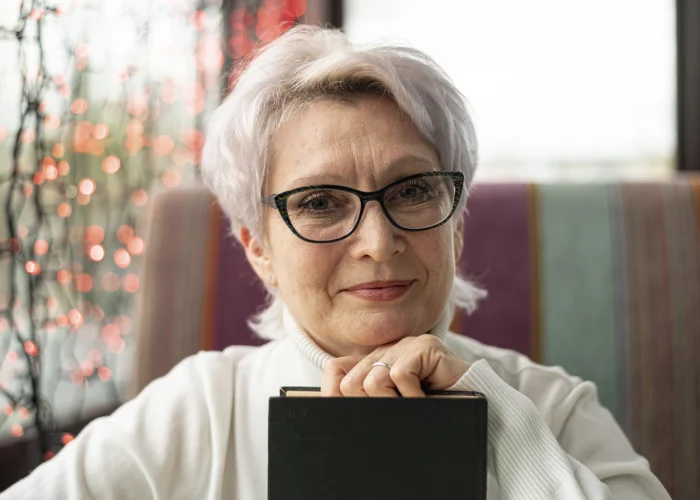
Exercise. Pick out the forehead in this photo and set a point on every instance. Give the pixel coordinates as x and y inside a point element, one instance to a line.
<point>363,144</point>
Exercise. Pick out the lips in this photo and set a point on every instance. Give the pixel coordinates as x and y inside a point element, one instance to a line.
<point>378,284</point>
<point>380,291</point>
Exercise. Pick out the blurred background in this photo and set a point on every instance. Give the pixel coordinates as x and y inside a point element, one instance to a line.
<point>103,107</point>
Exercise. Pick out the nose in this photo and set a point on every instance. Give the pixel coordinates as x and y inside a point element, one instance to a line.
<point>376,236</point>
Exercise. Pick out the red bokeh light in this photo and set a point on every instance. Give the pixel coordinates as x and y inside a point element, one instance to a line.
<point>131,283</point>
<point>79,106</point>
<point>139,197</point>
<point>94,234</point>
<point>163,145</point>
<point>32,267</point>
<point>31,348</point>
<point>104,373</point>
<point>63,167</point>
<point>75,317</point>
<point>125,233</point>
<point>64,209</point>
<point>136,246</point>
<point>100,131</point>
<point>64,276</point>
<point>111,164</point>
<point>41,247</point>
<point>83,282</point>
<point>171,178</point>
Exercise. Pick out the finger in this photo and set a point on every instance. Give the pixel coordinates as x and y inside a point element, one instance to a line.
<point>356,383</point>
<point>334,370</point>
<point>378,381</point>
<point>427,363</point>
<point>352,384</point>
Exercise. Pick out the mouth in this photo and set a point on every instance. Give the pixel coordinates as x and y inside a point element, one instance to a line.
<point>380,291</point>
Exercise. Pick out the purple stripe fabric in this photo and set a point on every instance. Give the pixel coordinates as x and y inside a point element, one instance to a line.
<point>497,256</point>
<point>239,294</point>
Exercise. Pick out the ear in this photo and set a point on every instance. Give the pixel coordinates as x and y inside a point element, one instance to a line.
<point>258,257</point>
<point>459,238</point>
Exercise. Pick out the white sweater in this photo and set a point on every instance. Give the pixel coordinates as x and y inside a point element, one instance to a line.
<point>200,432</point>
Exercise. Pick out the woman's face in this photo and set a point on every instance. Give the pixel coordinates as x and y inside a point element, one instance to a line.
<point>365,145</point>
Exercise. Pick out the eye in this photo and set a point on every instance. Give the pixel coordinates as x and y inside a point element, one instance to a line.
<point>411,190</point>
<point>318,200</point>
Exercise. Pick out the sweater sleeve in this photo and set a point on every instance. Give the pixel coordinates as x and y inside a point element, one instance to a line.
<point>530,463</point>
<point>156,446</point>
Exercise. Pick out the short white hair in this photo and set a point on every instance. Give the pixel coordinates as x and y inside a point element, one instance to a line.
<point>307,64</point>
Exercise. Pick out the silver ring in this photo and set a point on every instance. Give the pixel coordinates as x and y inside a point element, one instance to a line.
<point>382,363</point>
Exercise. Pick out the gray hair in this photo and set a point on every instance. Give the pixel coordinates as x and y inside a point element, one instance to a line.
<point>307,64</point>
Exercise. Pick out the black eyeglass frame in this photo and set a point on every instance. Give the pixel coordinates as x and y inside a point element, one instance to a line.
<point>279,201</point>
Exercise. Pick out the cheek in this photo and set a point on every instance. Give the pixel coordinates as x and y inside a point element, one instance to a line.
<point>436,253</point>
<point>301,268</point>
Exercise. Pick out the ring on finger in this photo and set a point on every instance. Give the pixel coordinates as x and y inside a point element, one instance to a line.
<point>382,363</point>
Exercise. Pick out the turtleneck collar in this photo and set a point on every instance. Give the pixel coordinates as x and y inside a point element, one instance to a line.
<point>317,356</point>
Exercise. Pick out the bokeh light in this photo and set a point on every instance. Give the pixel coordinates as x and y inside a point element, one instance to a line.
<point>79,106</point>
<point>94,234</point>
<point>122,258</point>
<point>31,348</point>
<point>41,247</point>
<point>83,282</point>
<point>33,267</point>
<point>136,246</point>
<point>64,209</point>
<point>131,283</point>
<point>64,276</point>
<point>75,317</point>
<point>104,373</point>
<point>125,233</point>
<point>100,131</point>
<point>171,178</point>
<point>139,197</point>
<point>87,187</point>
<point>111,164</point>
<point>63,167</point>
<point>96,253</point>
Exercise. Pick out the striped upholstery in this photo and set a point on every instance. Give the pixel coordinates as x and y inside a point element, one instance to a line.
<point>603,280</point>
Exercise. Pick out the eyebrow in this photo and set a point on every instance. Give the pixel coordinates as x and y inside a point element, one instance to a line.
<point>333,178</point>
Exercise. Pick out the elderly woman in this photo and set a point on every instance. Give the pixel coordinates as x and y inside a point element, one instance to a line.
<point>345,172</point>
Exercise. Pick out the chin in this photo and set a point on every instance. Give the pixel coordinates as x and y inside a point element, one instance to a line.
<point>383,328</point>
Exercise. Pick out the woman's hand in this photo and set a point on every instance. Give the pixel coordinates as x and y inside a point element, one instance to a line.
<point>413,360</point>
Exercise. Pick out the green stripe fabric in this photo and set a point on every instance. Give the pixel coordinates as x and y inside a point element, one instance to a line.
<point>577,286</point>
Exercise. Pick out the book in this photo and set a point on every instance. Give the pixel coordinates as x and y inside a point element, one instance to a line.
<point>337,448</point>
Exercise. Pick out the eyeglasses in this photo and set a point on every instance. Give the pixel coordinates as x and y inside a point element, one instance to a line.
<point>328,213</point>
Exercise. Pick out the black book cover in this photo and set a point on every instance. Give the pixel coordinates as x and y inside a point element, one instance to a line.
<point>377,448</point>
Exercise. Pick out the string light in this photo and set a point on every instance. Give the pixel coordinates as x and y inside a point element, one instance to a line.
<point>64,250</point>
<point>97,252</point>
<point>122,258</point>
<point>111,164</point>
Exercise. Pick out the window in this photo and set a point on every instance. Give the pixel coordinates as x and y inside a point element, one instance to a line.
<point>559,90</point>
